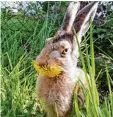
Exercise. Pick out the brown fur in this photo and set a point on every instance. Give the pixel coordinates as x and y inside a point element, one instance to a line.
<point>57,90</point>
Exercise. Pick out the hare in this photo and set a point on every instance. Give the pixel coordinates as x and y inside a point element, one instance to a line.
<point>62,50</point>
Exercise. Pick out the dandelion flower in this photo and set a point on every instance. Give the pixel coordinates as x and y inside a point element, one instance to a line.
<point>51,72</point>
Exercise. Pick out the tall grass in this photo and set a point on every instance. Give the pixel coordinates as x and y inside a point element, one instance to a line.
<point>18,77</point>
<point>92,106</point>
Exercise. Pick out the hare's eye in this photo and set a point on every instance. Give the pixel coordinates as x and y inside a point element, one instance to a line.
<point>64,51</point>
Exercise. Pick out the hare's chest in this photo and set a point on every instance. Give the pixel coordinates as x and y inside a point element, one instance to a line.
<point>59,92</point>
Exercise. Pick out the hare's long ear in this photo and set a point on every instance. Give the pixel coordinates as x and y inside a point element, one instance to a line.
<point>70,16</point>
<point>83,18</point>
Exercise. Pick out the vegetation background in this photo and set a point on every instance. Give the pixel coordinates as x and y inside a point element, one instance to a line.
<point>25,26</point>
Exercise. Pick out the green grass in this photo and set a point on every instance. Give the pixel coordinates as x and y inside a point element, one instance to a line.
<point>18,80</point>
<point>92,106</point>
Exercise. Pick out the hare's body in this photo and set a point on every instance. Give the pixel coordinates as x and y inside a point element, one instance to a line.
<point>57,91</point>
<point>62,50</point>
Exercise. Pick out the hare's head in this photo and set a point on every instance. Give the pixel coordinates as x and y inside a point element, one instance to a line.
<point>62,49</point>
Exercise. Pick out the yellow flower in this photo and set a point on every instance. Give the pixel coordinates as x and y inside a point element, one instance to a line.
<point>51,72</point>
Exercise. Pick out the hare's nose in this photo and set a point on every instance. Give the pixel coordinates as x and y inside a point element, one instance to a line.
<point>42,61</point>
